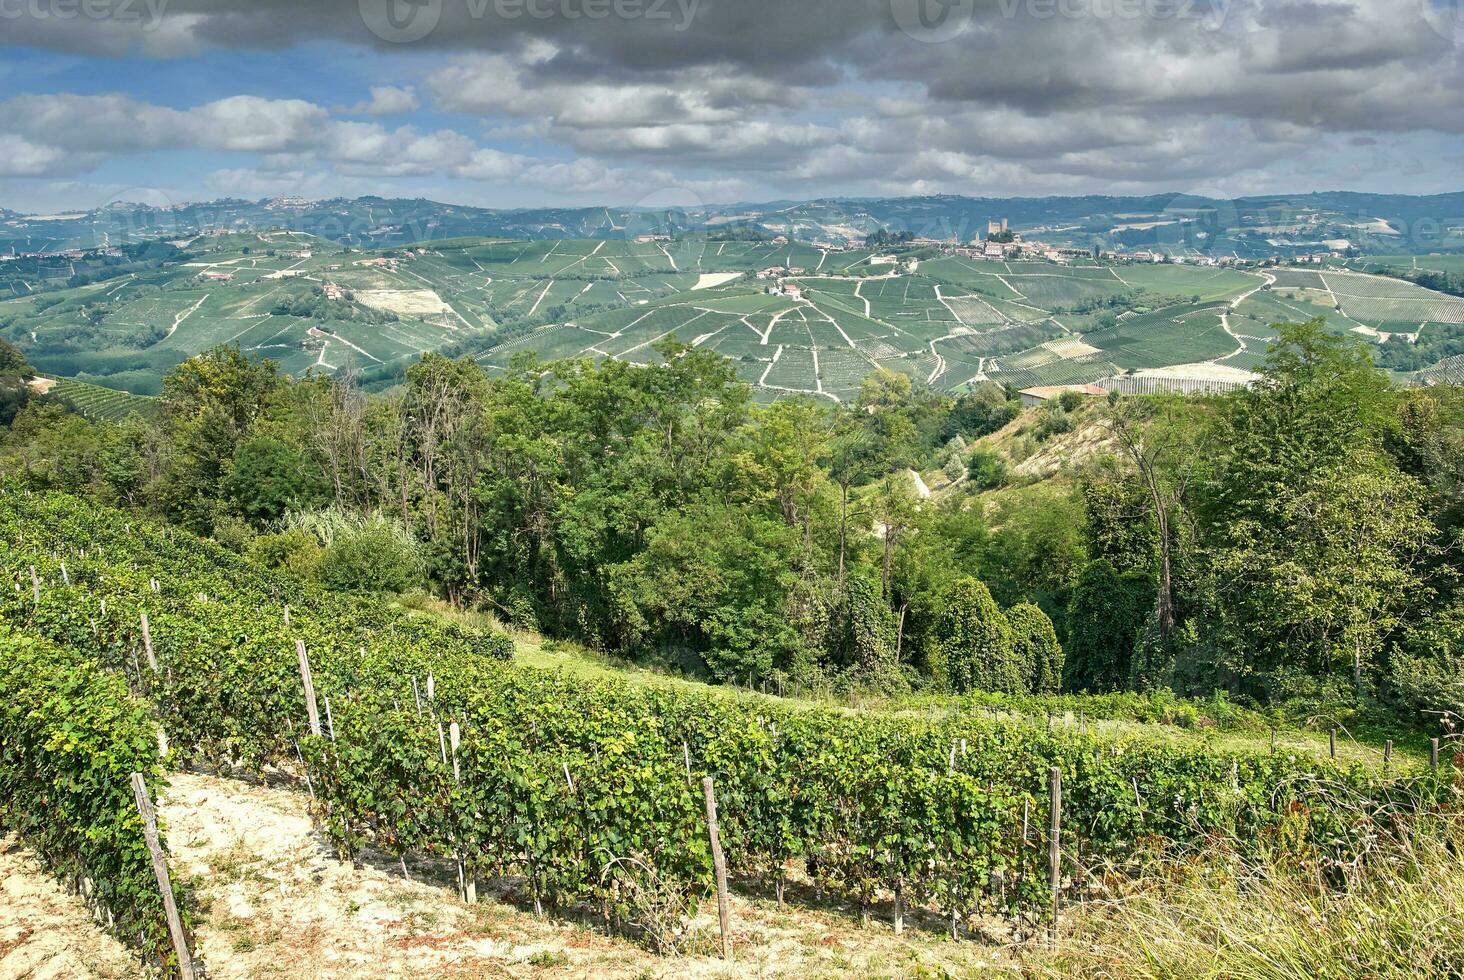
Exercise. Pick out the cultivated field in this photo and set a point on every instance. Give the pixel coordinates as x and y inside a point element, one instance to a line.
<point>948,321</point>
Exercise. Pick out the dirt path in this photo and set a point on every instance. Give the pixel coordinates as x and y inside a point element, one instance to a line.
<point>46,933</point>
<point>274,902</point>
<point>270,899</point>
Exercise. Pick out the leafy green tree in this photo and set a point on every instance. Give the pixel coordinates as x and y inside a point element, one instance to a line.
<point>209,404</point>
<point>1426,670</point>
<point>12,361</point>
<point>270,477</point>
<point>1120,523</point>
<point>1035,646</point>
<point>1109,610</point>
<point>976,651</point>
<point>14,392</point>
<point>712,581</point>
<point>1313,540</point>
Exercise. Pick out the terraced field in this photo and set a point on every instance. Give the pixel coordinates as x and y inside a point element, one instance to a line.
<point>950,321</point>
<point>96,402</point>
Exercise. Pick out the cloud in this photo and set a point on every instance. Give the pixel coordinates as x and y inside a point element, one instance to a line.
<point>386,100</point>
<point>817,96</point>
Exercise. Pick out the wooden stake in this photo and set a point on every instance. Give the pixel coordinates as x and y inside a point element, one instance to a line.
<point>1433,754</point>
<point>309,682</point>
<point>1387,754</point>
<point>287,614</point>
<point>152,660</point>
<point>160,869</point>
<point>329,719</point>
<point>719,866</point>
<point>686,754</point>
<point>35,585</point>
<point>417,695</point>
<point>1054,852</point>
<point>468,884</point>
<point>1332,742</point>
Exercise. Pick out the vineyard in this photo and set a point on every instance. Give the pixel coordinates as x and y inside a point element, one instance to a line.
<point>96,402</point>
<point>420,738</point>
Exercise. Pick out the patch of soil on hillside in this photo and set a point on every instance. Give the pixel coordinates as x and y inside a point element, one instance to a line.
<point>272,900</point>
<point>47,933</point>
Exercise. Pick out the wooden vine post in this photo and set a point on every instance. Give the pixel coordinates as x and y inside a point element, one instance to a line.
<point>1433,754</point>
<point>1387,755</point>
<point>719,866</point>
<point>467,882</point>
<point>1054,852</point>
<point>152,660</point>
<point>309,683</point>
<point>160,869</point>
<point>35,585</point>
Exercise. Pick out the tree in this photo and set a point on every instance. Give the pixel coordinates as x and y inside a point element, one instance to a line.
<point>976,651</point>
<point>14,392</point>
<point>713,581</point>
<point>1312,582</point>
<point>1157,437</point>
<point>209,404</point>
<point>1035,647</point>
<point>895,509</point>
<point>987,470</point>
<point>869,628</point>
<point>1312,539</point>
<point>270,477</point>
<point>12,361</point>
<point>1108,612</point>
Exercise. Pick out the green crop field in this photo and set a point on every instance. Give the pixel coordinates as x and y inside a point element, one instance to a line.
<point>96,402</point>
<point>949,320</point>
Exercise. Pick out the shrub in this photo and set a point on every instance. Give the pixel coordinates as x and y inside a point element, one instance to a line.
<point>987,470</point>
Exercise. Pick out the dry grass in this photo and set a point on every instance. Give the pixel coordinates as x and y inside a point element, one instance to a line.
<point>1400,915</point>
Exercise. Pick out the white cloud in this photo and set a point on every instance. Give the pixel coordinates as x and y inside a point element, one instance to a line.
<point>386,100</point>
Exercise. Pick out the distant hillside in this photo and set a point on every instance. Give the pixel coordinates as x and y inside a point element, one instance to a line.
<point>1172,223</point>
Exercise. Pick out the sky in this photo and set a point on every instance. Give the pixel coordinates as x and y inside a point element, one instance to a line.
<point>528,103</point>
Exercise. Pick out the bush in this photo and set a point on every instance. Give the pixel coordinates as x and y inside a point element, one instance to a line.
<point>295,551</point>
<point>379,555</point>
<point>987,470</point>
<point>1055,422</point>
<point>368,553</point>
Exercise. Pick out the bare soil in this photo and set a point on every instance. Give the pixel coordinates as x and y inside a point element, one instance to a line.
<point>270,899</point>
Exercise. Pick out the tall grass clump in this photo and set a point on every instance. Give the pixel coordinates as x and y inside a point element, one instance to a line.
<point>1396,913</point>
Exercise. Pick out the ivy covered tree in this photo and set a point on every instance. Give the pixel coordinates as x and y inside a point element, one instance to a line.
<point>869,628</point>
<point>976,642</point>
<point>1108,612</point>
<point>1035,646</point>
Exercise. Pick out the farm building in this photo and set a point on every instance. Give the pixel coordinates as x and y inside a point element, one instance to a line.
<point>1040,395</point>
